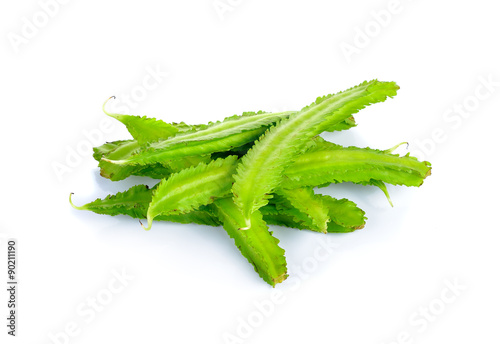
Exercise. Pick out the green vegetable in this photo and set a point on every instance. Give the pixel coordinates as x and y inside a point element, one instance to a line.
<point>257,244</point>
<point>122,150</point>
<point>326,162</point>
<point>135,201</point>
<point>261,169</point>
<point>345,216</point>
<point>314,212</point>
<point>233,132</point>
<point>144,129</point>
<point>192,187</point>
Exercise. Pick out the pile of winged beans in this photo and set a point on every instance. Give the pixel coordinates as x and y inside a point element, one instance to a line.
<point>250,171</point>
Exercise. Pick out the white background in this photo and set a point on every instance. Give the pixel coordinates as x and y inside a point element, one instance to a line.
<point>189,283</point>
